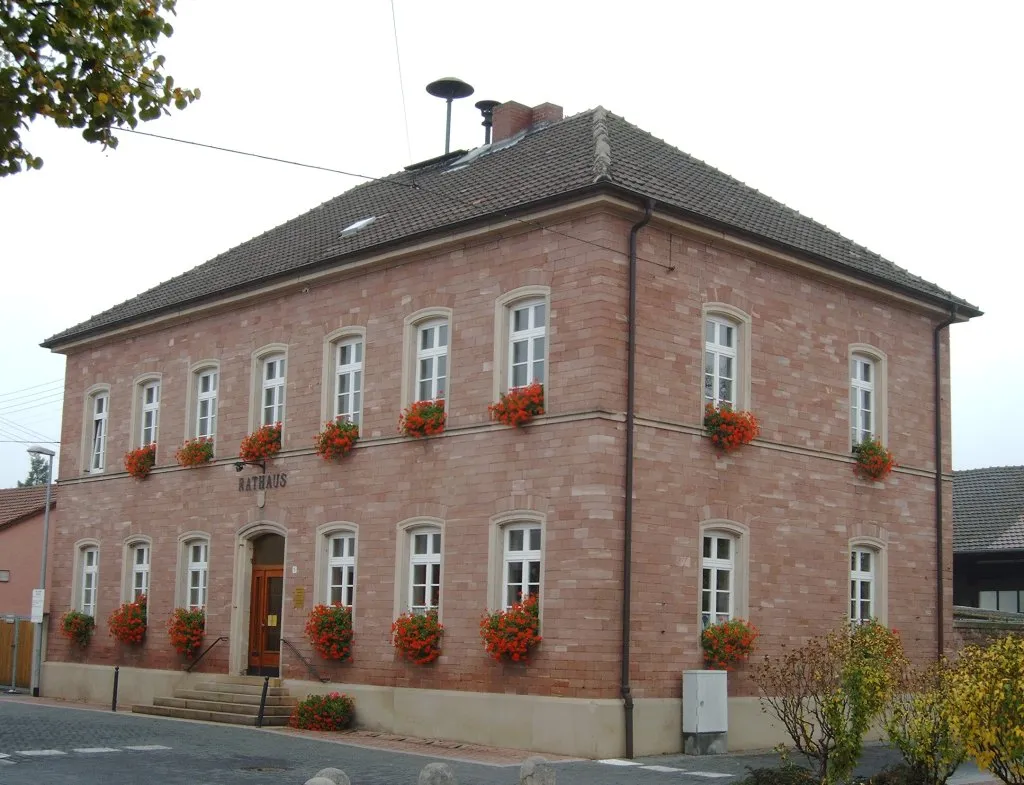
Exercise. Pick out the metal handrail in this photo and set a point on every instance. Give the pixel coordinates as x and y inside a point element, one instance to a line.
<point>191,665</point>
<point>309,666</point>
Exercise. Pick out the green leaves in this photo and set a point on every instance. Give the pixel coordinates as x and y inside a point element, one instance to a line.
<point>86,64</point>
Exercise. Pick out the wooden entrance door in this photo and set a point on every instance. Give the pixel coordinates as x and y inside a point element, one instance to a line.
<point>265,600</point>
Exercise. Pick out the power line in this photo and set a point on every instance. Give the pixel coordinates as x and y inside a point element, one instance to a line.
<point>48,402</point>
<point>17,400</point>
<point>33,387</point>
<point>20,441</point>
<point>29,432</point>
<point>401,82</point>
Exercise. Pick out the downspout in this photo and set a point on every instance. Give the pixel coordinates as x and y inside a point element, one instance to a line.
<point>627,541</point>
<point>940,595</point>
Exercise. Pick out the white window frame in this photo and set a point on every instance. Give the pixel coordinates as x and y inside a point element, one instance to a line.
<point>140,570</point>
<point>272,389</point>
<point>503,321</point>
<point>432,386</point>
<point>345,561</point>
<point>523,558</point>
<point>738,567</point>
<point>352,372</point>
<point>740,321</point>
<point>714,566</point>
<point>86,577</point>
<point>325,561</point>
<point>407,560</point>
<point>149,414</point>
<point>877,387</point>
<point>536,329</point>
<point>187,567</point>
<point>412,354</point>
<point>93,448</point>
<point>270,353</point>
<point>130,569</point>
<point>430,560</point>
<point>876,577</point>
<point>498,557</point>
<point>208,397</point>
<point>331,374</point>
<point>717,352</point>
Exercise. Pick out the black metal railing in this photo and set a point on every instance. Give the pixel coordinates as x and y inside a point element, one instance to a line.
<point>309,666</point>
<point>191,665</point>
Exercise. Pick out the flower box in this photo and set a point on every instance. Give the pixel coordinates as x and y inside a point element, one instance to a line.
<point>187,629</point>
<point>417,636</point>
<point>727,643</point>
<point>510,635</point>
<point>329,629</point>
<point>138,463</point>
<point>128,623</point>
<point>336,440</point>
<point>330,712</point>
<point>519,405</point>
<point>78,627</point>
<point>874,461</point>
<point>195,452</point>
<point>728,429</point>
<point>261,444</point>
<point>422,418</point>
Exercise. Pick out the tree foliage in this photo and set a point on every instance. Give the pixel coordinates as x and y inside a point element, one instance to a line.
<point>89,64</point>
<point>827,693</point>
<point>988,688</point>
<point>919,723</point>
<point>38,471</point>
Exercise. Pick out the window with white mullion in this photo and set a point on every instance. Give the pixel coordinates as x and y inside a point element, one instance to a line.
<point>140,571</point>
<point>341,570</point>
<point>862,394</point>
<point>424,571</point>
<point>198,566</point>
<point>717,570</point>
<point>431,360</point>
<point>150,413</point>
<point>90,575</point>
<point>862,585</point>
<point>348,386</point>
<point>522,563</point>
<point>206,404</point>
<point>527,343</point>
<point>272,410</point>
<point>720,362</point>
<point>99,432</point>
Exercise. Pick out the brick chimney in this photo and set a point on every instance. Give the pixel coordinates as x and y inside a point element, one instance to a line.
<point>512,117</point>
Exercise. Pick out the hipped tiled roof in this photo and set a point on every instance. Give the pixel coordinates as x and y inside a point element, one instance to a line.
<point>988,509</point>
<point>592,150</point>
<point>17,504</point>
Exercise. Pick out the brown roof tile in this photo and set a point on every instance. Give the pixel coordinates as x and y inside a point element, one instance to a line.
<point>16,504</point>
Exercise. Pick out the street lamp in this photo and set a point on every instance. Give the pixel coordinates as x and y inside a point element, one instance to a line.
<point>37,643</point>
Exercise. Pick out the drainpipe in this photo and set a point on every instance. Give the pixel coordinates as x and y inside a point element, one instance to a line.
<point>940,595</point>
<point>627,542</point>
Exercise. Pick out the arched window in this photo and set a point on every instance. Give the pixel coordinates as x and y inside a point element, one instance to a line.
<point>724,572</point>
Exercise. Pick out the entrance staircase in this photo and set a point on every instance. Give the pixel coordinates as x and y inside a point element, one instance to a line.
<point>231,699</point>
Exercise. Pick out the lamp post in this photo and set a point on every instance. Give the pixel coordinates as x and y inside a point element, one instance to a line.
<point>37,643</point>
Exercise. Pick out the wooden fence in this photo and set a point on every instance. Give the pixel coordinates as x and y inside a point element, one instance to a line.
<point>16,638</point>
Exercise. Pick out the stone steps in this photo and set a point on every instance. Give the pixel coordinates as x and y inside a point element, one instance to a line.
<point>231,699</point>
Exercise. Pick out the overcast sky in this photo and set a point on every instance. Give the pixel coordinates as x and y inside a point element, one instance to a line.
<point>897,125</point>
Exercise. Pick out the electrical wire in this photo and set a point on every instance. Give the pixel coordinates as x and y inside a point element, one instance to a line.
<point>48,402</point>
<point>25,431</point>
<point>33,387</point>
<point>401,82</point>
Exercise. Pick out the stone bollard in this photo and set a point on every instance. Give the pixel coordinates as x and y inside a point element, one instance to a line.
<point>437,774</point>
<point>536,771</point>
<point>329,777</point>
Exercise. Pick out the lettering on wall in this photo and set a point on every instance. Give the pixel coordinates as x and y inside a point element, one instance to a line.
<point>262,482</point>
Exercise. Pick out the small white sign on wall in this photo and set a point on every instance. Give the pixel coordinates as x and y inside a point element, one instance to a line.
<point>38,598</point>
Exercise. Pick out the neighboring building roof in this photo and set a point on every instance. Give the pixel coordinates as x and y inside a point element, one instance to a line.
<point>988,509</point>
<point>17,504</point>
<point>590,151</point>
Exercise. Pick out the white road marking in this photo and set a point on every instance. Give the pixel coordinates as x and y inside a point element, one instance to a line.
<point>40,753</point>
<point>96,749</point>
<point>617,762</point>
<point>146,747</point>
<point>660,768</point>
<point>709,774</point>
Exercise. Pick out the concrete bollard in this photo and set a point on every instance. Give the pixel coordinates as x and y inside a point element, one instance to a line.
<point>437,774</point>
<point>330,775</point>
<point>336,776</point>
<point>536,771</point>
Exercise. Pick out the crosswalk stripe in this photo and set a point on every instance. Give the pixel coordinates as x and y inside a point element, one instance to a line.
<point>146,747</point>
<point>96,749</point>
<point>40,753</point>
<point>660,768</point>
<point>617,762</point>
<point>709,774</point>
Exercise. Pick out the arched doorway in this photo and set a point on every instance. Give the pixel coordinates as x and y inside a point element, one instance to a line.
<point>266,595</point>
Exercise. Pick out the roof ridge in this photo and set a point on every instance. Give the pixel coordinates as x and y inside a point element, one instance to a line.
<point>602,145</point>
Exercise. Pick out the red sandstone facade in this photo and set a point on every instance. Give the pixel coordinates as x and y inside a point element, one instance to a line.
<point>790,500</point>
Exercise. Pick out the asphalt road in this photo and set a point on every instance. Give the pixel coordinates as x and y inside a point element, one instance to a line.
<point>44,744</point>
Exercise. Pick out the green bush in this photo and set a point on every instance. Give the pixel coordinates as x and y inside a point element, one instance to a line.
<point>323,712</point>
<point>786,774</point>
